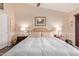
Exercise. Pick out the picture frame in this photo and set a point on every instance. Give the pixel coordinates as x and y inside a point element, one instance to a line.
<point>40,21</point>
<point>2,6</point>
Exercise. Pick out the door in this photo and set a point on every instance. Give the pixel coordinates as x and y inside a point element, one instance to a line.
<point>77,30</point>
<point>3,30</point>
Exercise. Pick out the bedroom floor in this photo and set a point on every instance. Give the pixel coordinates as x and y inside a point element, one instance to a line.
<point>4,50</point>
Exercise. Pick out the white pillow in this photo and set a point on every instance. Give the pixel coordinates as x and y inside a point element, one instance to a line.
<point>35,34</point>
<point>46,34</point>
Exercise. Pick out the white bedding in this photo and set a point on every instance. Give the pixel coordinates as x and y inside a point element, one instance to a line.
<point>42,46</point>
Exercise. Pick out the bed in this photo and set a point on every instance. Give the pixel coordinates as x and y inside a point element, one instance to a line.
<point>42,45</point>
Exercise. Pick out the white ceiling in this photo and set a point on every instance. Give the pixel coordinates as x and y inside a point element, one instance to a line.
<point>63,7</point>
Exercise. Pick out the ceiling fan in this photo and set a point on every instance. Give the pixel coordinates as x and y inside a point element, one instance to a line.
<point>38,4</point>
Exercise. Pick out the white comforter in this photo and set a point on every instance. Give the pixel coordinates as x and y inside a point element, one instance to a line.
<point>42,46</point>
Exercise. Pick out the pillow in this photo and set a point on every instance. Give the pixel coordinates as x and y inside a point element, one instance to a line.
<point>35,34</point>
<point>47,34</point>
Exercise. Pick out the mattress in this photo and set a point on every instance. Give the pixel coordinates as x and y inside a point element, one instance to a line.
<point>42,46</point>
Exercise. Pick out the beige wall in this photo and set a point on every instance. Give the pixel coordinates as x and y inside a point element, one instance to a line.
<point>25,16</point>
<point>72,27</point>
<point>69,27</point>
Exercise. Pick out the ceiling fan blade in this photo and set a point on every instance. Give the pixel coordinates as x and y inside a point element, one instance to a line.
<point>38,4</point>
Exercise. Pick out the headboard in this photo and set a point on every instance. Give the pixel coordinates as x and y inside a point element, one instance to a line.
<point>41,30</point>
<point>36,32</point>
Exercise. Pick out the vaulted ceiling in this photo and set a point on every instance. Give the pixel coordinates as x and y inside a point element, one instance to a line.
<point>63,7</point>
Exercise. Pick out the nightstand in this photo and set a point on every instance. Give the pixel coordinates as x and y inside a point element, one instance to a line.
<point>69,42</point>
<point>20,38</point>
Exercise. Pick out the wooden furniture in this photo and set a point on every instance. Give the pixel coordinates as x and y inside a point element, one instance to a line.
<point>20,38</point>
<point>77,30</point>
